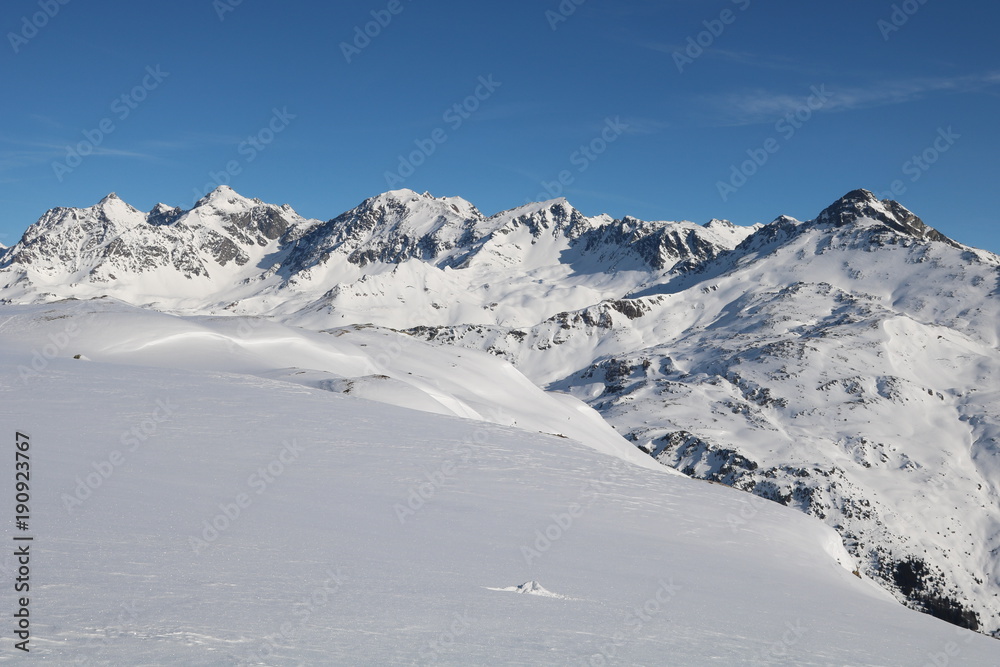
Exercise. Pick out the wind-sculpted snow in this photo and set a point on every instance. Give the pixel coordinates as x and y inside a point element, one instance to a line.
<point>362,361</point>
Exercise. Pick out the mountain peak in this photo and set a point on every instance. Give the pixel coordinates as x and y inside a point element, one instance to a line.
<point>850,208</point>
<point>406,202</point>
<point>112,199</point>
<point>717,223</point>
<point>860,194</point>
<point>219,195</point>
<point>113,206</point>
<point>859,205</point>
<point>532,208</point>
<point>404,194</point>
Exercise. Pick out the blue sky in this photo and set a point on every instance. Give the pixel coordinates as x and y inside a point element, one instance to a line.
<point>685,109</point>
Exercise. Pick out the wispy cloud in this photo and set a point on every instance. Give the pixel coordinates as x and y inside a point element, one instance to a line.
<point>764,106</point>
<point>192,140</point>
<point>27,153</point>
<point>35,153</point>
<point>641,126</point>
<point>18,153</point>
<point>47,121</point>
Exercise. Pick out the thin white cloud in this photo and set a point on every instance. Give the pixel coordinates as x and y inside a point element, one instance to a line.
<point>763,106</point>
<point>26,152</point>
<point>40,153</point>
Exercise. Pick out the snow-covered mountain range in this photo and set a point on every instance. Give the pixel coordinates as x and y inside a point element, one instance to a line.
<point>843,366</point>
<point>400,259</point>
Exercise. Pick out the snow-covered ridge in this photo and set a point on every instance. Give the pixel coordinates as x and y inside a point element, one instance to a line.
<point>230,254</point>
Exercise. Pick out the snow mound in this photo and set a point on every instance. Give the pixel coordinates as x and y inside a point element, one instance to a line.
<point>531,588</point>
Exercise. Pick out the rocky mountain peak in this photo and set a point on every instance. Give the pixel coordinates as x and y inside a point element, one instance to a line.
<point>113,206</point>
<point>716,223</point>
<point>163,214</point>
<point>225,197</point>
<point>859,205</point>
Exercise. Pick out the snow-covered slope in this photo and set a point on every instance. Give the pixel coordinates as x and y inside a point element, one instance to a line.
<point>203,517</point>
<point>842,366</point>
<point>363,361</point>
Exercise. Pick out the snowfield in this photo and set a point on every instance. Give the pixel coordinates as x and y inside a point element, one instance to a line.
<point>189,513</point>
